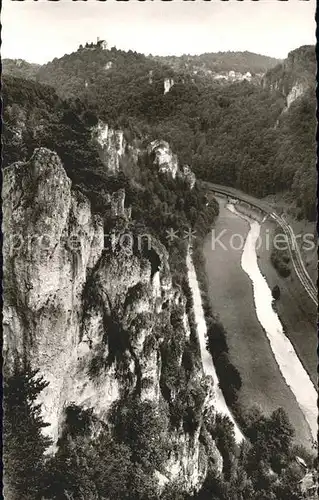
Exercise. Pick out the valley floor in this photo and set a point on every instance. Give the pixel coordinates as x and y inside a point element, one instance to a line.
<point>207,361</point>
<point>231,296</point>
<point>296,310</point>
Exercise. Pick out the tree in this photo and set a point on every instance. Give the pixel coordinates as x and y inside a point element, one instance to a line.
<point>24,444</point>
<point>271,439</point>
<point>90,468</point>
<point>222,431</point>
<point>279,434</point>
<point>276,292</point>
<point>143,427</point>
<point>288,487</point>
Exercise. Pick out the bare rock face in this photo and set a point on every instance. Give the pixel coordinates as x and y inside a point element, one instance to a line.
<point>188,176</point>
<point>164,159</point>
<point>297,90</point>
<point>117,204</point>
<point>111,145</point>
<point>167,162</point>
<point>108,65</point>
<point>168,84</point>
<point>54,241</point>
<point>90,318</point>
<point>294,76</point>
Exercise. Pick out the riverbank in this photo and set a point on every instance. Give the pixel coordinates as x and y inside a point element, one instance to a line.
<point>288,361</point>
<point>207,361</point>
<point>297,312</point>
<point>231,296</point>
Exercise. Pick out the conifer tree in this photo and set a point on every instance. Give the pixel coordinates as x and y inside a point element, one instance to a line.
<point>24,444</point>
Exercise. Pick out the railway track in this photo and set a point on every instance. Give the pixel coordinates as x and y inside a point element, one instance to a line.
<point>296,259</point>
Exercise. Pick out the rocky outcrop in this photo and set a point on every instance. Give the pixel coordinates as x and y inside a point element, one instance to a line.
<point>111,145</point>
<point>167,162</point>
<point>54,242</point>
<point>294,76</point>
<point>168,84</point>
<point>118,209</point>
<point>297,90</point>
<point>163,157</point>
<point>108,65</point>
<point>187,175</point>
<point>90,315</point>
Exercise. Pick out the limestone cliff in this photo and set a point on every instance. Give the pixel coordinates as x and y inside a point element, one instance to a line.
<point>188,175</point>
<point>54,242</point>
<point>168,84</point>
<point>294,76</point>
<point>167,162</point>
<point>91,316</point>
<point>110,144</point>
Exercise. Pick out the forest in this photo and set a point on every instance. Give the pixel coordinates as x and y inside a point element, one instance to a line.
<point>220,62</point>
<point>238,134</point>
<point>120,461</point>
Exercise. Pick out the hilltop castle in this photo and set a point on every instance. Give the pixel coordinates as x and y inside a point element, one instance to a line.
<point>100,44</point>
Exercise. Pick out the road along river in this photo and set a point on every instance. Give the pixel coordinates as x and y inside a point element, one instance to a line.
<point>207,361</point>
<point>270,369</point>
<point>289,364</point>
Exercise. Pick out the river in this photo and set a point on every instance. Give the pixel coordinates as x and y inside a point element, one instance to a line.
<point>289,364</point>
<point>269,367</point>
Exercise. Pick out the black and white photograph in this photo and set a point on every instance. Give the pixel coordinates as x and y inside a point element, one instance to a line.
<point>159,220</point>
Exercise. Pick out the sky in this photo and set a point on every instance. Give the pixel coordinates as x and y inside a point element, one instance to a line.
<point>38,31</point>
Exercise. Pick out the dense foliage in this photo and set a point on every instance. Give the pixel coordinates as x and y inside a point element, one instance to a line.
<point>219,62</point>
<point>265,467</point>
<point>20,68</point>
<point>43,119</point>
<point>232,134</point>
<point>24,444</point>
<point>117,464</point>
<point>280,257</point>
<point>95,462</point>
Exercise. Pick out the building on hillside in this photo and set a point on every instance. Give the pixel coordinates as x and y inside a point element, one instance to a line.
<point>101,43</point>
<point>220,77</point>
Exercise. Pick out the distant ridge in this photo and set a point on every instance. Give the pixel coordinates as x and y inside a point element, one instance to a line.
<point>20,68</point>
<point>216,62</point>
<point>232,130</point>
<point>221,62</point>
